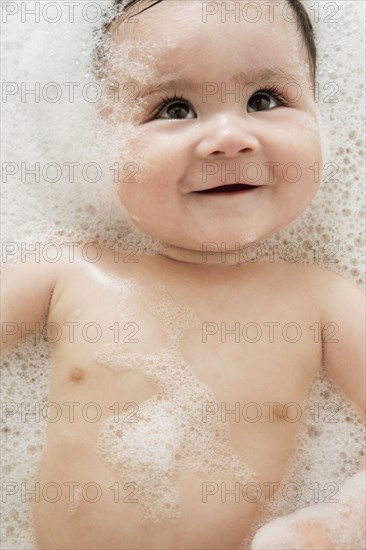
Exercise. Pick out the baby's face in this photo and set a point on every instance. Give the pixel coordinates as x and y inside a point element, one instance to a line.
<point>209,129</point>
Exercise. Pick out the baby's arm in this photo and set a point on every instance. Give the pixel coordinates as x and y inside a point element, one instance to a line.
<point>340,525</point>
<point>345,359</point>
<point>26,292</point>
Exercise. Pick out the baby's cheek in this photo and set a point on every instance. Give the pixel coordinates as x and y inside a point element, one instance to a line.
<point>309,150</point>
<point>309,126</point>
<point>314,168</point>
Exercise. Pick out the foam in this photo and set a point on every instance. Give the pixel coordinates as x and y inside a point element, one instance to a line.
<point>83,210</point>
<point>326,521</point>
<point>170,435</point>
<point>316,470</point>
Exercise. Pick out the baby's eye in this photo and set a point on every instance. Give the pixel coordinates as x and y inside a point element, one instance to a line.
<point>264,100</point>
<point>174,109</point>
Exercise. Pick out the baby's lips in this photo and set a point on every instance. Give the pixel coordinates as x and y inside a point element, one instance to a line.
<point>228,188</point>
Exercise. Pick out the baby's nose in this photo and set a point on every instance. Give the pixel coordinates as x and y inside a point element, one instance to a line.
<point>227,135</point>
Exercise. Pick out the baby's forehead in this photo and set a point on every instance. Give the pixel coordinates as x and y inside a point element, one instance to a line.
<point>171,35</point>
<point>185,17</point>
<point>145,60</point>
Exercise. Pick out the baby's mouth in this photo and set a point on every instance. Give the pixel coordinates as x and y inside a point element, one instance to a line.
<point>231,188</point>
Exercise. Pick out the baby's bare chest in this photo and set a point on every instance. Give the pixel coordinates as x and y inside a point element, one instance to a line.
<point>247,340</point>
<point>185,369</point>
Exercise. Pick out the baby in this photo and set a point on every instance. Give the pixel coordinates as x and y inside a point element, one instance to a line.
<point>225,130</point>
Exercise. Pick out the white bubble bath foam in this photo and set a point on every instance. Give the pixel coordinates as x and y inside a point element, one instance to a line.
<point>57,186</point>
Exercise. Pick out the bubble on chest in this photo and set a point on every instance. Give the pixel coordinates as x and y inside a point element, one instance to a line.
<point>169,433</point>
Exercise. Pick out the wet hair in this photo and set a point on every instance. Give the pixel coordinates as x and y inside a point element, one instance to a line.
<point>121,8</point>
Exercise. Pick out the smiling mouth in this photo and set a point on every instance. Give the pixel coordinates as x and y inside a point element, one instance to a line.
<point>233,188</point>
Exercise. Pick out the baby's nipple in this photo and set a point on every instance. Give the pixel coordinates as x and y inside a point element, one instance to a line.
<point>77,374</point>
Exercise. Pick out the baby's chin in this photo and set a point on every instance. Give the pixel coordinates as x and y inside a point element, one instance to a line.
<point>219,240</point>
<point>209,237</point>
<point>206,244</point>
<point>195,242</point>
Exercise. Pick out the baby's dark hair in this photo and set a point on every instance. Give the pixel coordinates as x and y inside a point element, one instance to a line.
<point>122,7</point>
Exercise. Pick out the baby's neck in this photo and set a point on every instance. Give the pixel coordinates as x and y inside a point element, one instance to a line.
<point>210,258</point>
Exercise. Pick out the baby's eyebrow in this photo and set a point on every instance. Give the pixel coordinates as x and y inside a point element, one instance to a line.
<point>249,77</point>
<point>166,86</point>
<point>263,75</point>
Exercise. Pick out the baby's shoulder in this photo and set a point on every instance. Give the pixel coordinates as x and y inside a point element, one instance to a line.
<point>88,265</point>
<point>300,273</point>
<point>330,290</point>
<point>48,268</point>
<point>83,256</point>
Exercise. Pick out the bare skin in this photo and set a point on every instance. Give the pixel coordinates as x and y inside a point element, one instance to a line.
<point>170,203</point>
<point>232,294</point>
